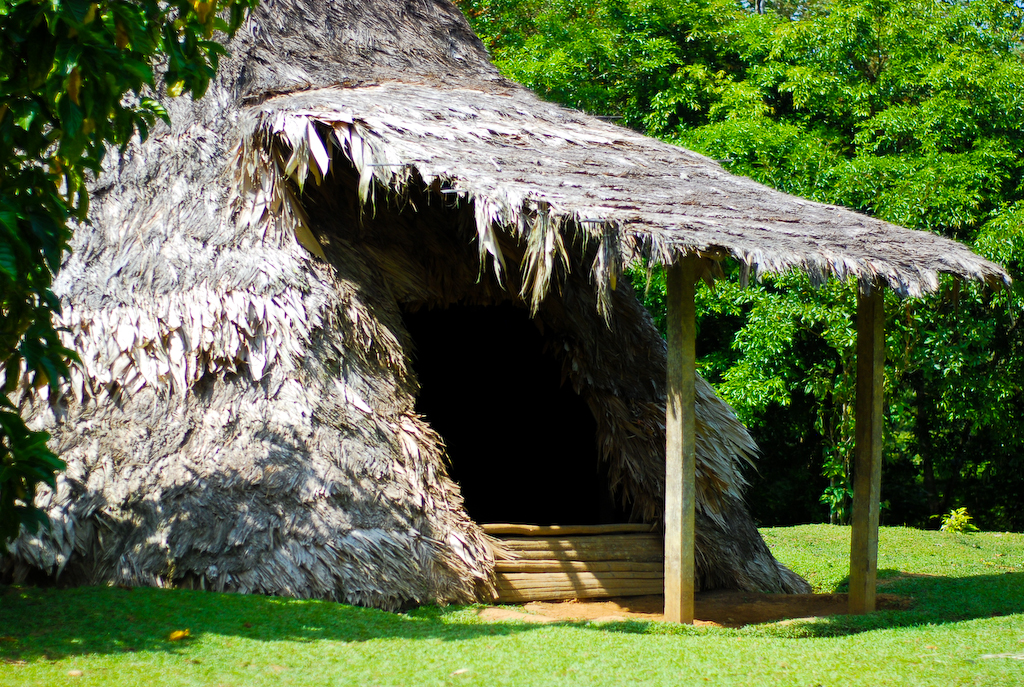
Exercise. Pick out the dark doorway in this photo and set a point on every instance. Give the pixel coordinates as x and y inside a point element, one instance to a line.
<point>522,444</point>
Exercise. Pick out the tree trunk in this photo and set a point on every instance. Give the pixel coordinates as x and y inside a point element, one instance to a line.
<point>924,442</point>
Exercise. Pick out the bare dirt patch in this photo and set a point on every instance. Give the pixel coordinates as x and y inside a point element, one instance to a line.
<point>494,614</point>
<point>719,608</point>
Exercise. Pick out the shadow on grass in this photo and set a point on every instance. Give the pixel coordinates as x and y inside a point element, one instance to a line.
<point>934,600</point>
<point>49,624</point>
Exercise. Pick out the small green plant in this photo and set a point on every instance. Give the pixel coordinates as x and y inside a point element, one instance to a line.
<point>838,498</point>
<point>958,520</point>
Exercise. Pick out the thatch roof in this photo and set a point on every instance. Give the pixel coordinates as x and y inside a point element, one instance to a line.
<point>244,415</point>
<point>440,108</point>
<point>539,168</point>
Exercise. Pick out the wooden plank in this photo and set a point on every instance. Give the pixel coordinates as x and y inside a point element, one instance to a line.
<point>549,565</point>
<point>680,444</point>
<point>554,586</point>
<point>576,579</point>
<point>527,595</point>
<point>494,529</point>
<point>508,595</point>
<point>620,547</point>
<point>650,555</point>
<point>867,464</point>
<point>609,542</point>
<point>580,580</point>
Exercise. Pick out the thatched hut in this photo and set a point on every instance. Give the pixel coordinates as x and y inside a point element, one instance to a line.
<point>271,285</point>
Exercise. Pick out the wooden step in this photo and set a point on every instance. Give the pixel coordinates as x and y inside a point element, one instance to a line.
<point>523,587</point>
<point>610,547</point>
<point>497,529</point>
<point>543,566</point>
<point>560,562</point>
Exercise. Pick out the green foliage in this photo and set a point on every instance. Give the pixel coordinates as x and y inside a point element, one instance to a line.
<point>906,110</point>
<point>958,521</point>
<point>75,77</point>
<point>606,57</point>
<point>909,110</point>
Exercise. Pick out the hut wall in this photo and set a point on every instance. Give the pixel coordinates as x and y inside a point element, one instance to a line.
<point>243,418</point>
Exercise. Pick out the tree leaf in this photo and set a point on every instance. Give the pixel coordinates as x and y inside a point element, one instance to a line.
<point>8,261</point>
<point>77,8</point>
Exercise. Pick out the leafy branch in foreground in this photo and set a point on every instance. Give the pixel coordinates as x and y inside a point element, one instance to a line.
<point>75,77</point>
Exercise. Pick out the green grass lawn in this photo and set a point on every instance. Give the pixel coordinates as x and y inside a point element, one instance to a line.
<point>968,610</point>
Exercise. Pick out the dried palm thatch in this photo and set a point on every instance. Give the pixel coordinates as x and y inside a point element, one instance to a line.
<point>243,418</point>
<point>543,171</point>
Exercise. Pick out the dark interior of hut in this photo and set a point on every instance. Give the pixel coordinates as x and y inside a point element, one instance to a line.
<point>522,444</point>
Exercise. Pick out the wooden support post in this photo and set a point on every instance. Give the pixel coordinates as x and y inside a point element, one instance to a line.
<point>680,441</point>
<point>867,464</point>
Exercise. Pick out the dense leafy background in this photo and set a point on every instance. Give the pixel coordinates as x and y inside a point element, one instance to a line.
<point>75,77</point>
<point>909,110</point>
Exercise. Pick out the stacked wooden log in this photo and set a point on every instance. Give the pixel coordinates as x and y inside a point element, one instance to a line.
<point>553,563</point>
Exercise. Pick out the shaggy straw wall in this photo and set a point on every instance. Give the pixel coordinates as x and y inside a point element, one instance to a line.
<point>243,416</point>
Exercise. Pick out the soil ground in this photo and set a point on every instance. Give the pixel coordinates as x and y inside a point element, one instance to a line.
<point>719,608</point>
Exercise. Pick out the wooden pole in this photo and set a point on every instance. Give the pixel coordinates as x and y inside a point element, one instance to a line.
<point>680,441</point>
<point>867,465</point>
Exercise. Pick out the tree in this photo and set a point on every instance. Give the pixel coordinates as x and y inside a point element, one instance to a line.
<point>606,57</point>
<point>909,110</point>
<point>75,77</point>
